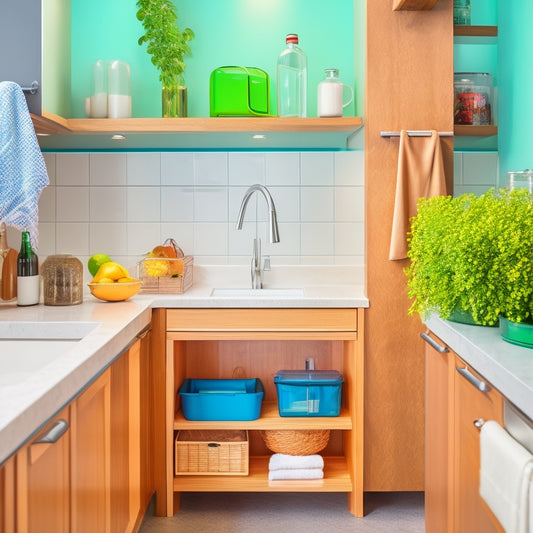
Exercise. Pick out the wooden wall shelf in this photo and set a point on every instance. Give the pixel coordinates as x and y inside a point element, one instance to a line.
<point>212,132</point>
<point>475,34</point>
<point>413,5</point>
<point>475,131</point>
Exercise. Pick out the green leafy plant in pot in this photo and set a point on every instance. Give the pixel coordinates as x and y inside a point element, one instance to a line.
<point>473,257</point>
<point>167,45</point>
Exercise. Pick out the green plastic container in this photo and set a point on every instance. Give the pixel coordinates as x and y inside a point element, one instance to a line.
<point>238,92</point>
<point>515,333</point>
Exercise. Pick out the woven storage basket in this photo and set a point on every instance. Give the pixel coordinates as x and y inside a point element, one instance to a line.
<point>213,452</point>
<point>296,442</point>
<point>165,284</point>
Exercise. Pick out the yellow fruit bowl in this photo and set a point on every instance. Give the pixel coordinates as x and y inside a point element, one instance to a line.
<point>114,292</point>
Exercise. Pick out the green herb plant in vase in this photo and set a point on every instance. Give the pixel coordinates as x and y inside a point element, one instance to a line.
<point>167,45</point>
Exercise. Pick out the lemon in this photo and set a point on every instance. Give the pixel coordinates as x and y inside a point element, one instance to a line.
<point>110,270</point>
<point>96,261</point>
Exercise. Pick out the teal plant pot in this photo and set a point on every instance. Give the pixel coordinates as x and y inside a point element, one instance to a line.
<point>516,333</point>
<point>464,317</point>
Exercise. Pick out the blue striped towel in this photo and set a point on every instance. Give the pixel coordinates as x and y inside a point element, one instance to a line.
<point>22,168</point>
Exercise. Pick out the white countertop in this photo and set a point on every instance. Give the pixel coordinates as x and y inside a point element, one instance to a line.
<point>507,367</point>
<point>39,377</point>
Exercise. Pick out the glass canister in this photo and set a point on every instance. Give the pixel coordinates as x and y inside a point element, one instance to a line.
<point>118,98</point>
<point>330,101</point>
<point>473,98</point>
<point>461,12</point>
<point>62,280</point>
<point>522,179</point>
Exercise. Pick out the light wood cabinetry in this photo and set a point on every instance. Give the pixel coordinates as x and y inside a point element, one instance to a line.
<point>457,401</point>
<point>207,343</point>
<point>7,496</point>
<point>91,458</point>
<point>43,479</point>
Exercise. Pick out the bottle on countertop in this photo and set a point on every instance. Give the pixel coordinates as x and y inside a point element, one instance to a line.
<point>28,279</point>
<point>292,80</point>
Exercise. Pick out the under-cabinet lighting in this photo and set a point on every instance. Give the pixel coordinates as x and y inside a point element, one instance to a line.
<point>43,135</point>
<point>258,136</point>
<point>118,137</point>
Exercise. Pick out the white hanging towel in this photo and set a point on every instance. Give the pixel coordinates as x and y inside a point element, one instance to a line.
<point>505,478</point>
<point>22,168</point>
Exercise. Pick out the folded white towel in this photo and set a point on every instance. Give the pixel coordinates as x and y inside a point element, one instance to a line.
<point>281,461</point>
<point>296,473</point>
<point>505,468</point>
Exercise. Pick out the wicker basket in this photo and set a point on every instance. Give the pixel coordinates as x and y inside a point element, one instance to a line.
<point>296,442</point>
<point>212,452</point>
<point>165,284</point>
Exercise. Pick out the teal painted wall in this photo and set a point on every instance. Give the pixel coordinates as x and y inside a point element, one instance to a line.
<point>228,32</point>
<point>516,82</point>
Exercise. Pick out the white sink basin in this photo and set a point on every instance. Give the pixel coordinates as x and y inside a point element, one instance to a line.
<point>257,293</point>
<point>60,331</point>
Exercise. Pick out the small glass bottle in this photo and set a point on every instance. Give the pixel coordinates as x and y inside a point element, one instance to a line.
<point>292,80</point>
<point>28,279</point>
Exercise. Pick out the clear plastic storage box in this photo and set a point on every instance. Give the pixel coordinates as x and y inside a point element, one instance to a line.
<point>309,392</point>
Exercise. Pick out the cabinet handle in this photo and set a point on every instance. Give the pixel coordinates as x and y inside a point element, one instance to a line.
<point>33,89</point>
<point>54,433</point>
<point>434,344</point>
<point>480,385</point>
<point>478,422</point>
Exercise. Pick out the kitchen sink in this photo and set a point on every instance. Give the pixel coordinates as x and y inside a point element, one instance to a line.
<point>257,293</point>
<point>39,331</point>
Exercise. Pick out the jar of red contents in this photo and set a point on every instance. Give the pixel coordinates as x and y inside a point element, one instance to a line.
<point>473,98</point>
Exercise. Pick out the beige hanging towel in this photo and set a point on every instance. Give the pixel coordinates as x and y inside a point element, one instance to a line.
<point>420,174</point>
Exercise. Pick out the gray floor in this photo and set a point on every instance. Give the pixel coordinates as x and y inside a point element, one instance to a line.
<point>294,512</point>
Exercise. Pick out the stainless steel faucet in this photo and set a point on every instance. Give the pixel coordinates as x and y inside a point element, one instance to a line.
<point>256,269</point>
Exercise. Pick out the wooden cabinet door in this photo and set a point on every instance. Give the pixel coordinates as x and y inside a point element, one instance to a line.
<point>43,480</point>
<point>7,496</point>
<point>475,399</point>
<point>438,479</point>
<point>91,445</point>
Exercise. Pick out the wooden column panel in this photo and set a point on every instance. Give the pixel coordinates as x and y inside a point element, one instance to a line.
<point>409,85</point>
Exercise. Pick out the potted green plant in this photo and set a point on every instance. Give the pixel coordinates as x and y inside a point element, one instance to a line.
<point>167,45</point>
<point>473,256</point>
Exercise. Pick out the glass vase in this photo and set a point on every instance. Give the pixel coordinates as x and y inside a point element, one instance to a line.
<point>174,99</point>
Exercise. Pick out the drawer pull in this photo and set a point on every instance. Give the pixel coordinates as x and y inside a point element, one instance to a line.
<point>54,433</point>
<point>478,422</point>
<point>434,344</point>
<point>480,385</point>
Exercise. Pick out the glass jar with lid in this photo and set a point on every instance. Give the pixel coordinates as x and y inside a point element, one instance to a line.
<point>473,98</point>
<point>461,12</point>
<point>62,280</point>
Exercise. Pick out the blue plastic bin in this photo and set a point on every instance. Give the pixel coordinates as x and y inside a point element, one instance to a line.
<point>221,399</point>
<point>309,392</point>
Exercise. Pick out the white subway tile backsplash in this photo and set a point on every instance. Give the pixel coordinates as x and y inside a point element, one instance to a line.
<point>177,204</point>
<point>458,168</point>
<point>143,168</point>
<point>142,237</point>
<point>72,238</point>
<point>211,169</point>
<point>282,168</point>
<point>47,204</point>
<point>350,168</point>
<point>123,204</point>
<point>480,168</point>
<point>47,239</point>
<point>72,169</point>
<point>109,238</point>
<point>317,168</point>
<point>246,168</point>
<point>210,239</point>
<point>349,204</point>
<point>177,168</point>
<point>317,238</point>
<point>107,169</point>
<point>108,204</point>
<point>144,204</point>
<point>317,204</point>
<point>72,204</point>
<point>211,204</point>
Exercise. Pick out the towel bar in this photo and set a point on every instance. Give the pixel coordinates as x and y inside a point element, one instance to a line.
<point>478,422</point>
<point>416,133</point>
<point>33,89</point>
